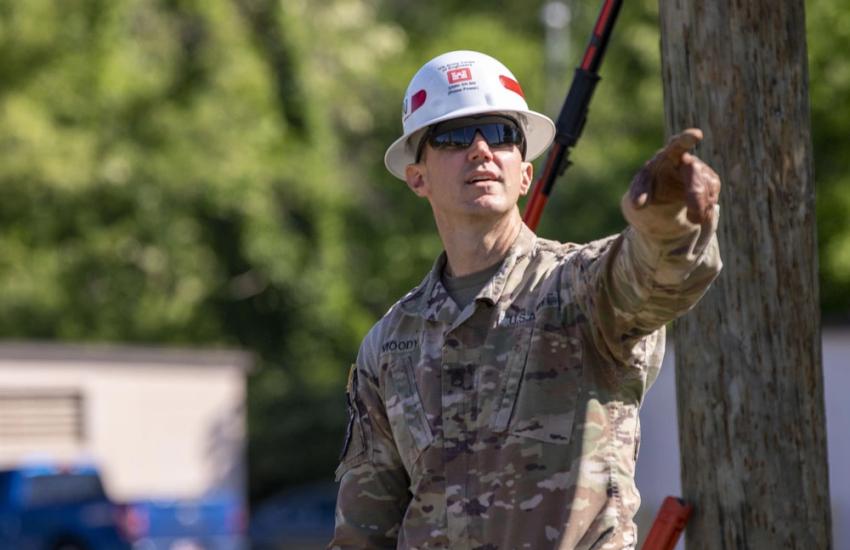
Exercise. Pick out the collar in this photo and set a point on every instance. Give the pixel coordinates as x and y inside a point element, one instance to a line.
<point>431,300</point>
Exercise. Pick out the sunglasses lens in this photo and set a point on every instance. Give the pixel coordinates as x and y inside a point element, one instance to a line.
<point>453,138</point>
<point>501,134</point>
<point>497,131</point>
<point>495,134</point>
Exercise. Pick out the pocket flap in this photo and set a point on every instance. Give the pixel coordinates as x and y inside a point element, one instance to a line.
<point>406,405</point>
<point>510,386</point>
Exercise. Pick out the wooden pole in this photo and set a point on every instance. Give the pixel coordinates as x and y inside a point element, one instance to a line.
<point>748,358</point>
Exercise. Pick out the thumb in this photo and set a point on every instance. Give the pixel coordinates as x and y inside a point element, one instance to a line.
<point>680,144</point>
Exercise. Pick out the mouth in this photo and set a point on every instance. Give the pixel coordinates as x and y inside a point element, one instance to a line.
<point>482,177</point>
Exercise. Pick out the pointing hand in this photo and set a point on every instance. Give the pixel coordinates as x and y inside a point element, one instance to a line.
<point>674,175</point>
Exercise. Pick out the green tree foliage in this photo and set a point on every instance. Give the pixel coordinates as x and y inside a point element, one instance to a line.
<point>210,173</point>
<point>170,176</point>
<point>828,26</point>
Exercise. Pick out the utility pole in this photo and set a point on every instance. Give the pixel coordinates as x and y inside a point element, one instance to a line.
<point>555,16</point>
<point>748,357</point>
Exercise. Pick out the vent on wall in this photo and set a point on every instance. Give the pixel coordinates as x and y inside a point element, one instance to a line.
<point>54,415</point>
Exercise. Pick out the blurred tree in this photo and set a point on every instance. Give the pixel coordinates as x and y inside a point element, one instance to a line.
<point>170,176</point>
<point>828,25</point>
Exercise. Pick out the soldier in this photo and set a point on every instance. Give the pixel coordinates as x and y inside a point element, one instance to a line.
<point>495,406</point>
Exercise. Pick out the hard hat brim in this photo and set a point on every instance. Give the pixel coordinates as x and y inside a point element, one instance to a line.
<point>539,132</point>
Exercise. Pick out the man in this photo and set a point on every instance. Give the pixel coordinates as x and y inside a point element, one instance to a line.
<point>496,405</point>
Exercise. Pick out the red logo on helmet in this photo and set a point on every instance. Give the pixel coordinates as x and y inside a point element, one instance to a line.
<point>417,100</point>
<point>511,85</point>
<point>459,75</point>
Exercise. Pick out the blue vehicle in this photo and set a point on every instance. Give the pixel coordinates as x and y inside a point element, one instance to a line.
<point>207,524</point>
<point>50,508</point>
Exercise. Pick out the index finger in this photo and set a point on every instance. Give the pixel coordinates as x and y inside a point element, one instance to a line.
<point>682,143</point>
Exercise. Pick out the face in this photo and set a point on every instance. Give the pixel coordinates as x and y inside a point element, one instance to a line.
<point>479,181</point>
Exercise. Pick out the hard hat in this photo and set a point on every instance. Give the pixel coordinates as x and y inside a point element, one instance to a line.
<point>458,84</point>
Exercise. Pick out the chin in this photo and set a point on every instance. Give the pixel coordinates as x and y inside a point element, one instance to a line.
<point>489,206</point>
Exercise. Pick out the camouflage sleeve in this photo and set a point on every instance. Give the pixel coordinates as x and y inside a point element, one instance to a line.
<point>373,491</point>
<point>653,272</point>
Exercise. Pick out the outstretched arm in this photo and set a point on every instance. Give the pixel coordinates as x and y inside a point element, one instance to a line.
<point>662,264</point>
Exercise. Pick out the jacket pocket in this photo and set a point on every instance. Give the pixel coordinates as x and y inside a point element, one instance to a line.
<point>540,386</point>
<point>406,414</point>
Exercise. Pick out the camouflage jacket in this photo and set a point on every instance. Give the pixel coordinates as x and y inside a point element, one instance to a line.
<point>514,422</point>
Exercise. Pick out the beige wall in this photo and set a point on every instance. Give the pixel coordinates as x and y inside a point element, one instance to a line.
<point>160,423</point>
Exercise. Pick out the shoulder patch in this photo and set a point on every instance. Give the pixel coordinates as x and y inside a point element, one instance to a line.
<point>352,374</point>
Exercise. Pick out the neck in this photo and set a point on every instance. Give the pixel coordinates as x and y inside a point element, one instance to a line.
<point>475,245</point>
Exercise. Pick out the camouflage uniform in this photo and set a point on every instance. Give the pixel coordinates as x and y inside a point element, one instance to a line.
<point>514,422</point>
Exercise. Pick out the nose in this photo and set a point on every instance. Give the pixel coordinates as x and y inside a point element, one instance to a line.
<point>479,149</point>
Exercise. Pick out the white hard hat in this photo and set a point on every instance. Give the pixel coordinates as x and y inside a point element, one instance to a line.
<point>458,84</point>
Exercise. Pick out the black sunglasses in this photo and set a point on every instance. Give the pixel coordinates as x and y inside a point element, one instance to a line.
<point>459,133</point>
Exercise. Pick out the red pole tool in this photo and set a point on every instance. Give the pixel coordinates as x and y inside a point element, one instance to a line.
<point>573,113</point>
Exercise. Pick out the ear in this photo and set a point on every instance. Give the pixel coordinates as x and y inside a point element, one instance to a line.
<point>527,173</point>
<point>414,175</point>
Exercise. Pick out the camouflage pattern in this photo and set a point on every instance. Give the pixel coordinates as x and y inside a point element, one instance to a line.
<point>513,423</point>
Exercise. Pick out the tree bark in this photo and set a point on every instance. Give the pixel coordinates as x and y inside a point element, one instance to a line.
<point>748,357</point>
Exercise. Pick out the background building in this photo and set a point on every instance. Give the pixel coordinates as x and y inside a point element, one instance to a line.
<point>159,423</point>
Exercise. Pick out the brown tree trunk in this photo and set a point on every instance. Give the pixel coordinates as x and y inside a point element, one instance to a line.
<point>748,358</point>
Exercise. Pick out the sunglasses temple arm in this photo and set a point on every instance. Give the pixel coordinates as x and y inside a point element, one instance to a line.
<point>573,113</point>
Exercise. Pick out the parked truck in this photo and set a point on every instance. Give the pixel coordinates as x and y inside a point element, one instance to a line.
<point>53,508</point>
<point>48,507</point>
